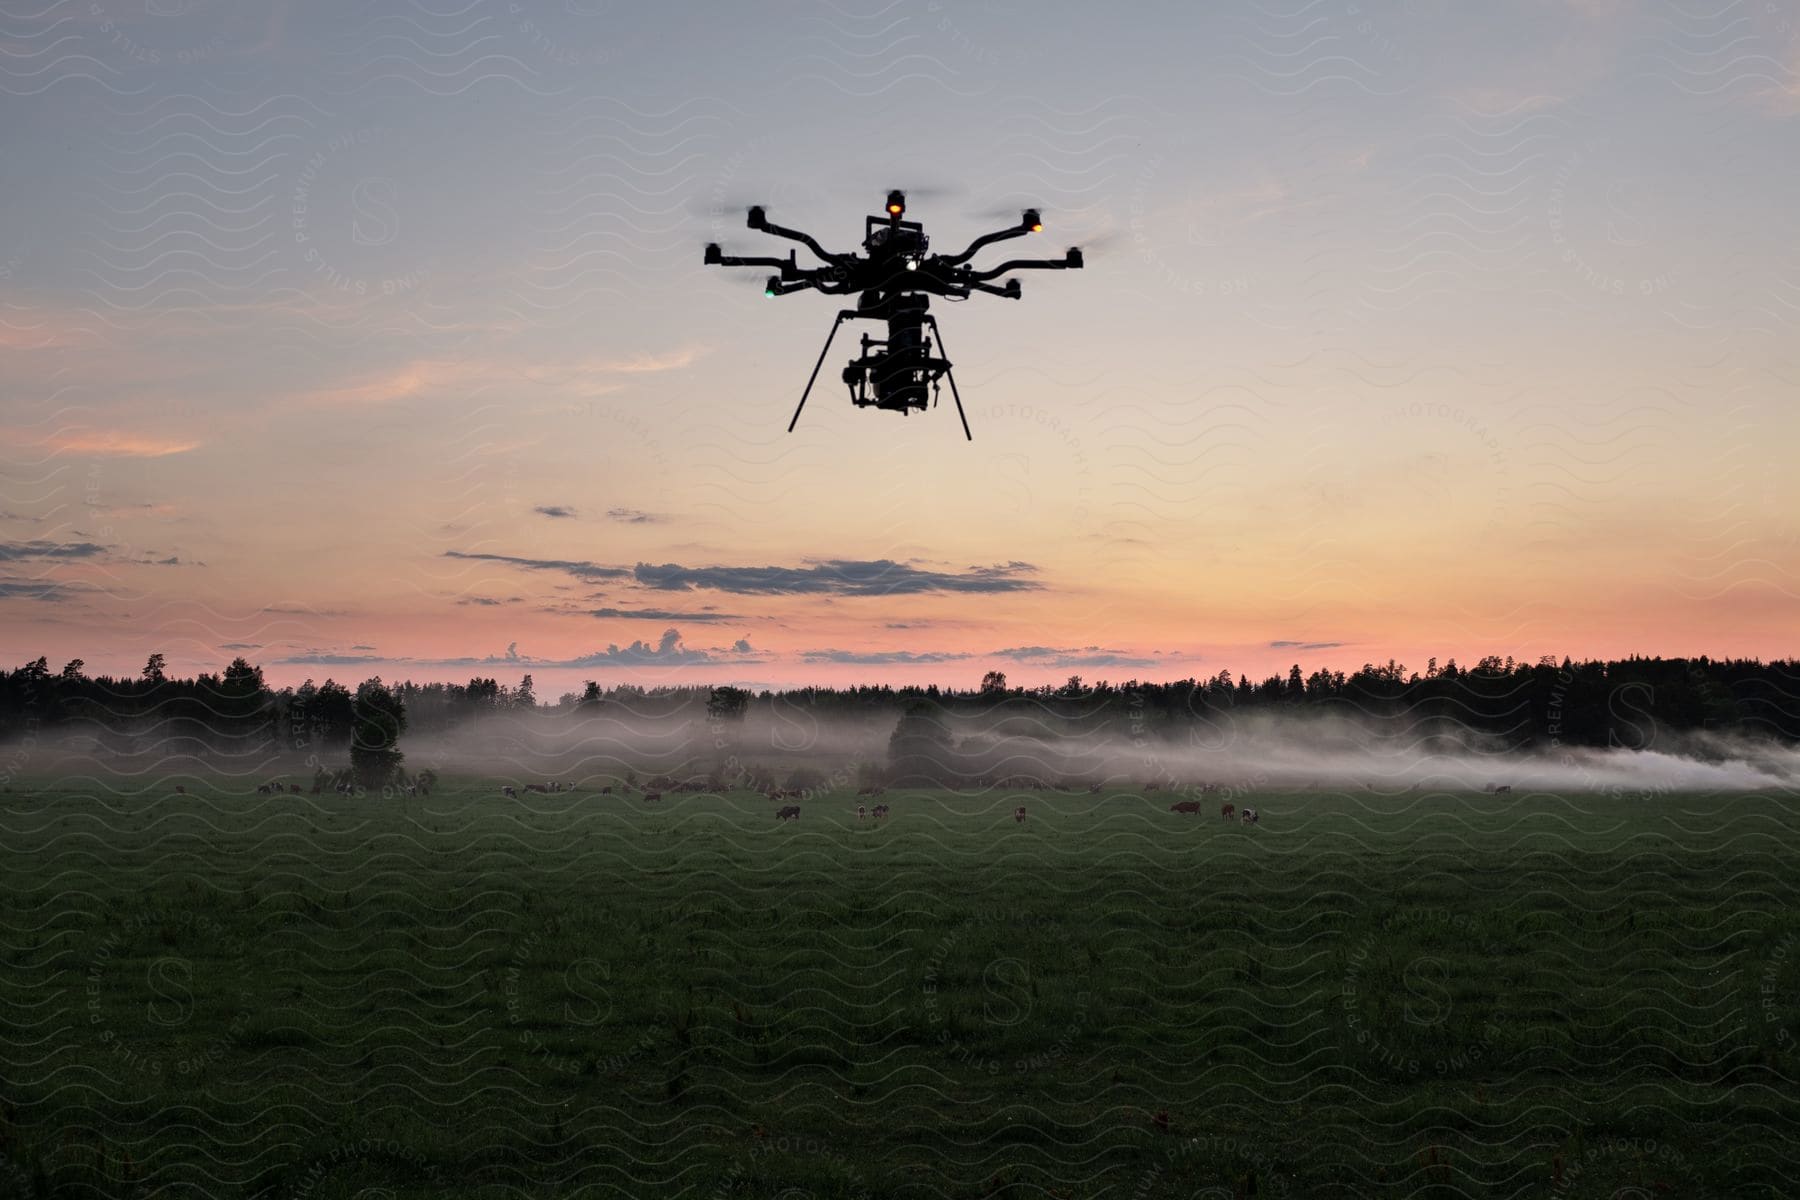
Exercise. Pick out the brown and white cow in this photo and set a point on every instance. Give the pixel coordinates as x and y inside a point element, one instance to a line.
<point>1228,811</point>
<point>507,790</point>
<point>862,813</point>
<point>1250,817</point>
<point>1019,814</point>
<point>881,810</point>
<point>1185,806</point>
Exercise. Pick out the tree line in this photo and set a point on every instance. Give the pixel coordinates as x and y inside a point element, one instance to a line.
<point>237,714</point>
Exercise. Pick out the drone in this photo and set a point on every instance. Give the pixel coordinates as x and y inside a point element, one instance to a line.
<point>894,280</point>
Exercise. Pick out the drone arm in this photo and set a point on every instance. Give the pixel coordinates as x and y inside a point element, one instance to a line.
<point>986,239</point>
<point>716,259</point>
<point>1073,261</point>
<point>1010,291</point>
<point>793,235</point>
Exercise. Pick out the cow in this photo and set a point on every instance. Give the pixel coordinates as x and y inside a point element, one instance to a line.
<point>180,790</point>
<point>607,790</point>
<point>1093,789</point>
<point>1019,814</point>
<point>1227,811</point>
<point>1250,817</point>
<point>536,787</point>
<point>881,810</point>
<point>507,790</point>
<point>1503,789</point>
<point>1186,806</point>
<point>861,813</point>
<point>652,797</point>
<point>868,791</point>
<point>1150,787</point>
<point>788,811</point>
<point>294,788</point>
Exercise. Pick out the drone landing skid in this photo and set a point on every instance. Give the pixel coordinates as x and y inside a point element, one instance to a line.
<point>919,366</point>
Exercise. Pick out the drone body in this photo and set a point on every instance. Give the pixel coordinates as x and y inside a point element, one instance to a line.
<point>894,280</point>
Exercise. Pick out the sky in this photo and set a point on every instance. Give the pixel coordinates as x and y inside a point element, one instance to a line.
<point>375,339</point>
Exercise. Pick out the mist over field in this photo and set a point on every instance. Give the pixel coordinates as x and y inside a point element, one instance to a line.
<point>1240,752</point>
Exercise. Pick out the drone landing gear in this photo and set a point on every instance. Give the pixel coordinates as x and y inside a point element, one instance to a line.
<point>858,373</point>
<point>954,394</point>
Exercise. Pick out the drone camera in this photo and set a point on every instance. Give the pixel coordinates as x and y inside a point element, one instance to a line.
<point>758,218</point>
<point>1032,221</point>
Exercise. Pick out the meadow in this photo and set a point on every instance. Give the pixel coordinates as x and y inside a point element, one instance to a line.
<point>226,994</point>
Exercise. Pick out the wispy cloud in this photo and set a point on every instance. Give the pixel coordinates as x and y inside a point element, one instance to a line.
<point>119,443</point>
<point>842,577</point>
<point>661,614</point>
<point>1075,656</point>
<point>1304,645</point>
<point>632,516</point>
<point>877,658</point>
<point>560,511</point>
<point>575,567</point>
<point>40,549</point>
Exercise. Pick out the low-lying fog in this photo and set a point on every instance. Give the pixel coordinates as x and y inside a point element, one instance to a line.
<point>1249,751</point>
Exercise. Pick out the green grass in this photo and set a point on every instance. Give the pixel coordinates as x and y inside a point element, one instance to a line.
<point>1419,995</point>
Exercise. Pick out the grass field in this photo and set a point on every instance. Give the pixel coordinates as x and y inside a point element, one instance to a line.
<point>224,994</point>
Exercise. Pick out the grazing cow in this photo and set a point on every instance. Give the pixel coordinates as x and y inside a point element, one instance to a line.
<point>536,787</point>
<point>1186,806</point>
<point>787,811</point>
<point>1019,814</point>
<point>180,790</point>
<point>508,791</point>
<point>652,797</point>
<point>881,810</point>
<point>1093,789</point>
<point>1503,788</point>
<point>1150,787</point>
<point>607,790</point>
<point>315,790</point>
<point>1227,811</point>
<point>1250,817</point>
<point>861,812</point>
<point>295,788</point>
<point>868,791</point>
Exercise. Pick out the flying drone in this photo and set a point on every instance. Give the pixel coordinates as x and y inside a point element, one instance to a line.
<point>895,279</point>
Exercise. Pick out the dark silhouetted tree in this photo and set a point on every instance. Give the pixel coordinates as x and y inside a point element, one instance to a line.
<point>379,720</point>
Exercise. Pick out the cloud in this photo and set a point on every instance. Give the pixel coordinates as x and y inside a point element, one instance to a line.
<point>661,614</point>
<point>481,600</point>
<point>332,660</point>
<point>874,658</point>
<point>581,570</point>
<point>633,516</point>
<point>554,510</point>
<point>1304,645</point>
<point>41,549</point>
<point>119,443</point>
<point>1078,656</point>
<point>841,577</point>
<point>32,589</point>
<point>240,645</point>
<point>838,577</point>
<point>669,651</point>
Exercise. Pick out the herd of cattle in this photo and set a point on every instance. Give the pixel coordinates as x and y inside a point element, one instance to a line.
<point>879,812</point>
<point>653,794</point>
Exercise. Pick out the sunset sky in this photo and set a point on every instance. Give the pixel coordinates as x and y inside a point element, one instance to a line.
<point>375,338</point>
